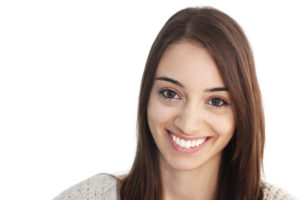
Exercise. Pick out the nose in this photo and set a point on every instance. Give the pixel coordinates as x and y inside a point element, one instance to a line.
<point>190,119</point>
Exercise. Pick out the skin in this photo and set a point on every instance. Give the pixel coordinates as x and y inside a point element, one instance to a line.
<point>190,110</point>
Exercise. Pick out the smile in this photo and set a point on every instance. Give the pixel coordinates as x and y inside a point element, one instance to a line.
<point>185,145</point>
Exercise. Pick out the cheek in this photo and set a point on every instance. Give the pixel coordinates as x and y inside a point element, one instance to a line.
<point>224,125</point>
<point>158,114</point>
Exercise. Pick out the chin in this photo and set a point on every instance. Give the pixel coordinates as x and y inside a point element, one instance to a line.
<point>190,163</point>
<point>183,163</point>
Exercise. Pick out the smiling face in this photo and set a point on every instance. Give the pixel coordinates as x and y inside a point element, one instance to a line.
<point>189,112</point>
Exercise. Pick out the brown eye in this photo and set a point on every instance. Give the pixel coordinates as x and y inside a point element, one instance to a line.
<point>169,94</point>
<point>217,102</point>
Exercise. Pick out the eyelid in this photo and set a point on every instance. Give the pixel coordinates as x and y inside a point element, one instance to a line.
<point>161,91</point>
<point>225,102</point>
<point>222,98</point>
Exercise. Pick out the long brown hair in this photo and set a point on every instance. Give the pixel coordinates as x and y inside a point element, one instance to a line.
<point>241,165</point>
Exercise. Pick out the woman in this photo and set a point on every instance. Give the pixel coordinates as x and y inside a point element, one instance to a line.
<point>200,119</point>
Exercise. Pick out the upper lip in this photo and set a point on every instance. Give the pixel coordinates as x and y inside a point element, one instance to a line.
<point>180,135</point>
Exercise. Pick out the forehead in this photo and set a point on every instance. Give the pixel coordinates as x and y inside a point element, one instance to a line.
<point>191,64</point>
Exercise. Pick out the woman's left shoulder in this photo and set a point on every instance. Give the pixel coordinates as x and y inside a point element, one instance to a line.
<point>272,192</point>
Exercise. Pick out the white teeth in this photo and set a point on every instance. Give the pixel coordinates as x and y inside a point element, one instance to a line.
<point>182,143</point>
<point>177,140</point>
<point>193,143</point>
<point>187,144</point>
<point>200,142</point>
<point>173,137</point>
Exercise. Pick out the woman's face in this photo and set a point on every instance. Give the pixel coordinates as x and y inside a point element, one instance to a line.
<point>189,111</point>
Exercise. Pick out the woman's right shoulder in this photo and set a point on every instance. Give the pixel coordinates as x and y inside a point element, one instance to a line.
<point>98,187</point>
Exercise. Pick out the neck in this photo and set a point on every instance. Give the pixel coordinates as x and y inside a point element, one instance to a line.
<point>195,184</point>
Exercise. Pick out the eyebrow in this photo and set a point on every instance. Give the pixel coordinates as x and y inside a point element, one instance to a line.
<point>164,78</point>
<point>218,89</point>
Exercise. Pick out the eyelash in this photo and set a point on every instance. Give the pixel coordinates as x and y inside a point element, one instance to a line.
<point>223,102</point>
<point>162,93</point>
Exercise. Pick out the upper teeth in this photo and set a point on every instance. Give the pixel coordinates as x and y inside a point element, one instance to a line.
<point>187,143</point>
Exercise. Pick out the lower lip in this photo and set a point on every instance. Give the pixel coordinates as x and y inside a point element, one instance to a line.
<point>186,150</point>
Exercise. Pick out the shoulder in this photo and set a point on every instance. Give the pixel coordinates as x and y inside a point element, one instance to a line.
<point>100,187</point>
<point>272,192</point>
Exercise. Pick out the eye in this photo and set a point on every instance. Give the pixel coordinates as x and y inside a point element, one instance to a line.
<point>217,102</point>
<point>169,94</point>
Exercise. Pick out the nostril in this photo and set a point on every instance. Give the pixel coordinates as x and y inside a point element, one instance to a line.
<point>188,124</point>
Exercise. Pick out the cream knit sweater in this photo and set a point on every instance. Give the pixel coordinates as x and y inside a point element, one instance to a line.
<point>103,187</point>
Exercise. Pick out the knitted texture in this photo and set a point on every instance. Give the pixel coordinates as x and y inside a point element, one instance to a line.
<point>272,192</point>
<point>104,187</point>
<point>99,187</point>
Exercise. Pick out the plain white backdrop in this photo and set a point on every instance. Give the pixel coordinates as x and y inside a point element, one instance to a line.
<point>69,83</point>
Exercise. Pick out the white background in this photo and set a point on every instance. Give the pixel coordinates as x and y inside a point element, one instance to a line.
<point>69,82</point>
